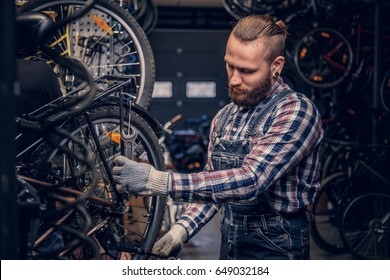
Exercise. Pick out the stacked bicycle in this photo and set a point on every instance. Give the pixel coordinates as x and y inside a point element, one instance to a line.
<point>66,188</point>
<point>351,211</point>
<point>108,40</point>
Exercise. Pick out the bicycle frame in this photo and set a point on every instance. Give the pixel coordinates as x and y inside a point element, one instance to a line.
<point>359,50</point>
<point>111,95</point>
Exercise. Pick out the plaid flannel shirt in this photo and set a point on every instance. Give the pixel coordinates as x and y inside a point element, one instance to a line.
<point>284,161</point>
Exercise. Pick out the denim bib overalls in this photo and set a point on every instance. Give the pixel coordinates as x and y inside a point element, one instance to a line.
<point>253,229</point>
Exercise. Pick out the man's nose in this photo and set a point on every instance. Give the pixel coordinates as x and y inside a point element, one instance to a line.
<point>236,78</point>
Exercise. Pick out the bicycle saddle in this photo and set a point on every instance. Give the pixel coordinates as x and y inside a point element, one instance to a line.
<point>31,28</point>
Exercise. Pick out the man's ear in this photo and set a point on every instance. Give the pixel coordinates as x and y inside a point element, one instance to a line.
<point>277,66</point>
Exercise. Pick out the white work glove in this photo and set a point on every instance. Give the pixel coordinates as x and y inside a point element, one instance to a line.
<point>138,178</point>
<point>171,243</point>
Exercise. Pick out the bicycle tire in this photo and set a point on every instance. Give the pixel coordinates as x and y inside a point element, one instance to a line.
<point>313,65</point>
<point>145,214</point>
<point>108,40</point>
<point>327,210</point>
<point>365,226</point>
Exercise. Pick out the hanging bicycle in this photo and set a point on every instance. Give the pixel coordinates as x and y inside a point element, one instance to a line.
<point>65,173</point>
<point>108,40</point>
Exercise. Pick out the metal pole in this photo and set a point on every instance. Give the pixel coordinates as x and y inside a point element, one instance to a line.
<point>8,209</point>
<point>377,67</point>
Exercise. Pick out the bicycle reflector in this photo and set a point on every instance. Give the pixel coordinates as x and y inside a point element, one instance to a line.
<point>114,136</point>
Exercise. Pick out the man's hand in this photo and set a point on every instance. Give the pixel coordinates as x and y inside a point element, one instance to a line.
<point>171,243</point>
<point>138,178</point>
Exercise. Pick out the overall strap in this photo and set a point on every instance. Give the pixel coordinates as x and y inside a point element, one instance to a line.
<point>219,127</point>
<point>270,105</point>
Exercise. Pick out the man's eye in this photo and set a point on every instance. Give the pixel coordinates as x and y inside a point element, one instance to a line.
<point>246,71</point>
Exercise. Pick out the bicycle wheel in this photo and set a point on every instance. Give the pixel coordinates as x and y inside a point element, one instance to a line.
<point>107,39</point>
<point>365,226</point>
<point>327,211</point>
<point>119,233</point>
<point>323,58</point>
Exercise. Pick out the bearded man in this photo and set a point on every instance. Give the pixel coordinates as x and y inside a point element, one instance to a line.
<point>263,158</point>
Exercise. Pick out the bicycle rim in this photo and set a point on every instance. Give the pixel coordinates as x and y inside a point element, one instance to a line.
<point>365,226</point>
<point>133,225</point>
<point>323,58</point>
<point>108,40</point>
<point>326,210</point>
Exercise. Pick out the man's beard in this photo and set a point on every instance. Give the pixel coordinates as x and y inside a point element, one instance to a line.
<point>250,98</point>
